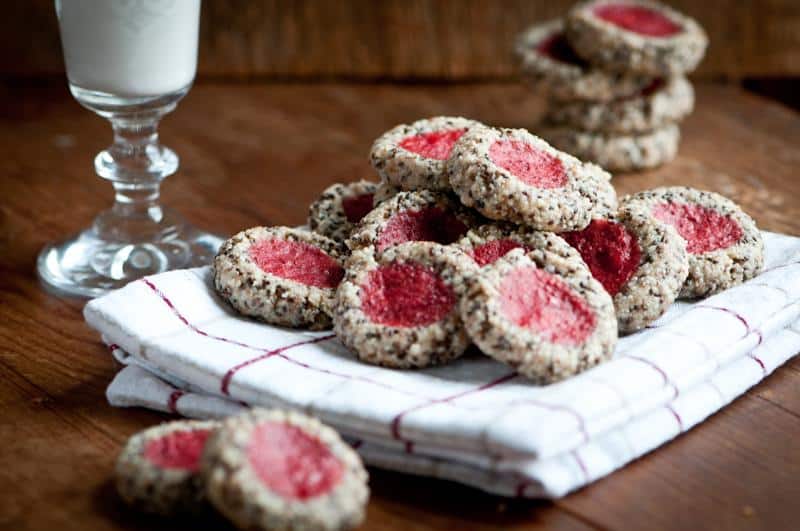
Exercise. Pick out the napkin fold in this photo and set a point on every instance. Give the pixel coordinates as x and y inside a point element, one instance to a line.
<point>473,421</point>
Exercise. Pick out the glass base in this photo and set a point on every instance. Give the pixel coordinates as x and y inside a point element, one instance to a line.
<point>92,264</point>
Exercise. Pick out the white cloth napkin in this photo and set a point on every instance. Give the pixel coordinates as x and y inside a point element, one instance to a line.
<point>472,421</point>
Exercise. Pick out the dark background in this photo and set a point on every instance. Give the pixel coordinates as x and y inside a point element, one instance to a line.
<point>753,42</point>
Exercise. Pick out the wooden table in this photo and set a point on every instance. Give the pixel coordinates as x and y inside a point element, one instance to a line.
<point>257,155</point>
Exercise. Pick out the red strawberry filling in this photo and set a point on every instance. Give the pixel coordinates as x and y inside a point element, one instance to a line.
<point>430,224</point>
<point>557,47</point>
<point>434,145</point>
<point>406,295</point>
<point>704,229</point>
<point>357,207</point>
<point>292,463</point>
<point>297,261</point>
<point>610,250</point>
<point>638,19</point>
<point>535,299</point>
<point>529,164</point>
<point>490,252</point>
<point>178,450</point>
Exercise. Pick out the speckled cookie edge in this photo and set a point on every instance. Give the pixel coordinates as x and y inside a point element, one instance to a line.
<point>403,347</point>
<point>326,214</point>
<point>384,191</point>
<point>714,271</point>
<point>527,352</point>
<point>565,81</point>
<point>237,492</point>
<point>275,300</point>
<point>614,48</point>
<point>640,114</point>
<point>662,270</point>
<point>618,153</point>
<point>405,169</point>
<point>155,489</point>
<point>499,195</point>
<point>367,233</point>
<point>533,240</point>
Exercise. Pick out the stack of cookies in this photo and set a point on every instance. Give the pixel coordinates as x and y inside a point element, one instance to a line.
<point>614,74</point>
<point>492,237</point>
<point>263,470</point>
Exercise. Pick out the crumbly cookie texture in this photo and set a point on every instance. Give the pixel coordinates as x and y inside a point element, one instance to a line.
<point>569,78</point>
<point>328,216</point>
<point>159,489</point>
<point>618,153</point>
<point>499,194</point>
<point>717,270</point>
<point>659,275</point>
<point>384,191</point>
<point>523,348</point>
<point>530,239</point>
<point>272,299</point>
<point>236,490</point>
<point>614,48</point>
<point>407,169</point>
<point>664,103</point>
<point>368,232</point>
<point>403,347</point>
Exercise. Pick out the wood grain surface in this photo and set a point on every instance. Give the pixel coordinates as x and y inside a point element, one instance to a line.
<point>257,154</point>
<point>401,39</point>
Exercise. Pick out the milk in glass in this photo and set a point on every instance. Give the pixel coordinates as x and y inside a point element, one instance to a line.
<point>130,48</point>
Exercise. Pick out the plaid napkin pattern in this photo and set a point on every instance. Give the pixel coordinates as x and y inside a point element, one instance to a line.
<point>473,421</point>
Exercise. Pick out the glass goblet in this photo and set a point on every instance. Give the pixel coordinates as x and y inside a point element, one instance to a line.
<point>130,61</point>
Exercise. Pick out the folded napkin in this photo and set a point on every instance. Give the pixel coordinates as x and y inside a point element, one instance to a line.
<point>472,421</point>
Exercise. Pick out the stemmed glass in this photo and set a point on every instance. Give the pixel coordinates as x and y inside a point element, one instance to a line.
<point>130,61</point>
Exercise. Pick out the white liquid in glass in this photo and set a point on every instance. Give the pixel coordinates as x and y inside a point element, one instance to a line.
<point>130,48</point>
<point>130,61</point>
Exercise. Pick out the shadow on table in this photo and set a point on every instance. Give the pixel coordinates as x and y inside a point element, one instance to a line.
<point>426,502</point>
<point>108,504</point>
<point>410,502</point>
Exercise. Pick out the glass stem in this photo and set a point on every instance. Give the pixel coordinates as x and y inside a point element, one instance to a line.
<point>136,164</point>
<point>138,200</point>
